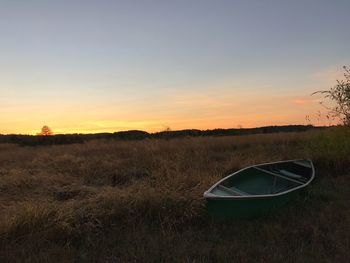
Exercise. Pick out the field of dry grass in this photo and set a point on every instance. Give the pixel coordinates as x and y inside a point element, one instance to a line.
<point>141,201</point>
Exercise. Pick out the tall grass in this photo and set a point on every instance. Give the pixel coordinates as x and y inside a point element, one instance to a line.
<point>117,201</point>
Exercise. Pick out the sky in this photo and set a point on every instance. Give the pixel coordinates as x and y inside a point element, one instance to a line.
<point>83,66</point>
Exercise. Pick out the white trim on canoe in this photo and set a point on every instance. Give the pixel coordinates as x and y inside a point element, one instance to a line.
<point>209,195</point>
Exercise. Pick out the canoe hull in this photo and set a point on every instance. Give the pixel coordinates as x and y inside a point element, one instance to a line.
<point>246,208</point>
<point>258,189</point>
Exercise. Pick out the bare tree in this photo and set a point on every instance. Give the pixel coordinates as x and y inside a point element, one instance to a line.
<point>340,97</point>
<point>45,131</point>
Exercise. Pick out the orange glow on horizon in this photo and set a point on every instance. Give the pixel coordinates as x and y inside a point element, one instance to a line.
<point>183,111</point>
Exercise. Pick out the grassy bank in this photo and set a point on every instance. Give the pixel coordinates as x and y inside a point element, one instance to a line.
<point>141,201</point>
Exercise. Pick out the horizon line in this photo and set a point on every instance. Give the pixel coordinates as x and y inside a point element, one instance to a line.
<point>156,132</point>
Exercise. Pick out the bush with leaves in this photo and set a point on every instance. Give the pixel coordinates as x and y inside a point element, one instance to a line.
<point>340,96</point>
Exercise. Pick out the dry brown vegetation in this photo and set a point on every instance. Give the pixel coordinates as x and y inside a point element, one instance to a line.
<point>141,201</point>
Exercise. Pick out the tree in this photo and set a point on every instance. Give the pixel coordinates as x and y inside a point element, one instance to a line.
<point>45,131</point>
<point>339,95</point>
<point>167,129</point>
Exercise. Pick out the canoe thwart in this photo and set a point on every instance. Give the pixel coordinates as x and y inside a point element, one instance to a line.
<point>293,175</point>
<point>303,163</point>
<point>278,175</point>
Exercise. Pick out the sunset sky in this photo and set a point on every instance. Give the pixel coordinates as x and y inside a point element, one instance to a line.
<point>102,66</point>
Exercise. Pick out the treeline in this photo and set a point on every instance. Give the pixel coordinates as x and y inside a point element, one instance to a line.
<point>31,140</point>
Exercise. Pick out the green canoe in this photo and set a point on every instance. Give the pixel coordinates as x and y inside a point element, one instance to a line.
<point>258,189</point>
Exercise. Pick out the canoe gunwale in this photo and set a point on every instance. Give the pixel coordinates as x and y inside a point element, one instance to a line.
<point>210,196</point>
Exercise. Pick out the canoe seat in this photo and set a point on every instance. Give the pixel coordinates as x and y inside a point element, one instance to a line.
<point>292,175</point>
<point>277,173</point>
<point>303,163</point>
<point>232,190</point>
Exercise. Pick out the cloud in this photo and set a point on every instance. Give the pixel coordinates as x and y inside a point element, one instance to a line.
<point>305,101</point>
